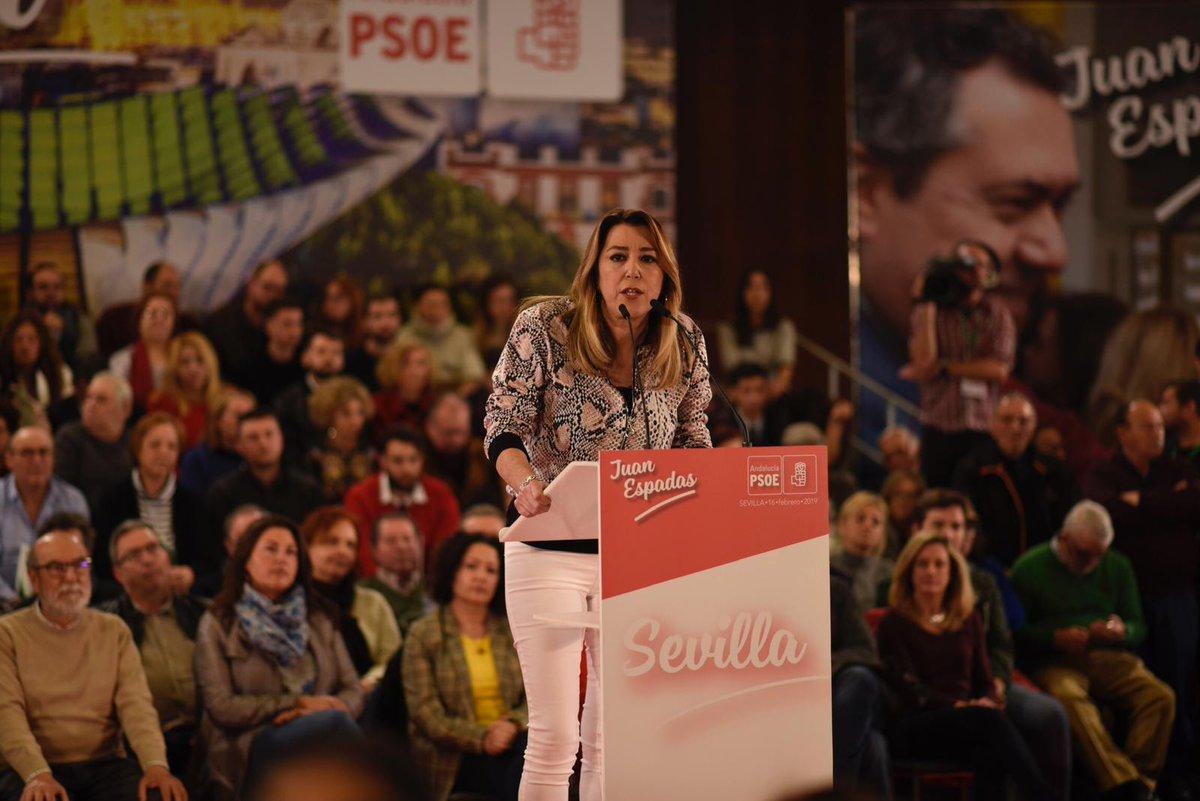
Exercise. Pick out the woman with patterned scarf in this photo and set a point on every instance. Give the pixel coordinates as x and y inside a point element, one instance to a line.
<point>271,667</point>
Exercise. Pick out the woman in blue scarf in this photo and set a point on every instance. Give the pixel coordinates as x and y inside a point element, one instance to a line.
<point>271,667</point>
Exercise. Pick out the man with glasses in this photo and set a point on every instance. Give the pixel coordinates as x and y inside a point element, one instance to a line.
<point>29,495</point>
<point>72,689</point>
<point>164,629</point>
<point>1083,620</point>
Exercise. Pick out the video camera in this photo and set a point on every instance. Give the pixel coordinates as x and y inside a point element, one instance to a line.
<point>950,280</point>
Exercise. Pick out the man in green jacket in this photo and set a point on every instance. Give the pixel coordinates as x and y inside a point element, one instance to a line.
<point>1083,617</point>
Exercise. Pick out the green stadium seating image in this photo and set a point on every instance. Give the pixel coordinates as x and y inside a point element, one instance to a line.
<point>201,159</point>
<point>272,159</point>
<point>165,138</point>
<point>240,181</point>
<point>298,128</point>
<point>138,168</point>
<point>106,161</point>
<point>12,169</point>
<point>43,168</point>
<point>333,119</point>
<point>75,146</point>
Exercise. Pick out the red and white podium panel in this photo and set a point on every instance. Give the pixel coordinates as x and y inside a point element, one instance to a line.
<point>715,623</point>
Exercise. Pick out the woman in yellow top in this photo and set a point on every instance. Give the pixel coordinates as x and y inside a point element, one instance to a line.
<point>462,680</point>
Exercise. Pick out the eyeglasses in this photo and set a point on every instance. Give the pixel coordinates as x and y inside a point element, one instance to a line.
<point>149,549</point>
<point>60,569</point>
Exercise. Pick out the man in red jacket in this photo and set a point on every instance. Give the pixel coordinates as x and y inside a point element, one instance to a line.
<point>402,484</point>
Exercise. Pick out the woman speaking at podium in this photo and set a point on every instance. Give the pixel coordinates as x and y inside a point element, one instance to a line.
<point>599,369</point>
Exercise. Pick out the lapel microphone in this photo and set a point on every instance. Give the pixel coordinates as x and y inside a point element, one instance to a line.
<point>636,383</point>
<point>659,309</point>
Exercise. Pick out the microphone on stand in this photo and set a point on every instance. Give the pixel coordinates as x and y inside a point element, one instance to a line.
<point>641,390</point>
<point>657,307</point>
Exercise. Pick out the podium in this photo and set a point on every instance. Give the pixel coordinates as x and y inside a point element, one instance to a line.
<point>714,617</point>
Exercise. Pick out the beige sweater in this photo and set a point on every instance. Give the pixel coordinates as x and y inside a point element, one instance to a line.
<point>67,695</point>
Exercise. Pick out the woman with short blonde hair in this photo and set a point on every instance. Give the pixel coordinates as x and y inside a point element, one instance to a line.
<point>857,546</point>
<point>590,371</point>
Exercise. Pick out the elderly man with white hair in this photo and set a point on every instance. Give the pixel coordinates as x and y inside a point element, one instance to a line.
<point>1083,618</point>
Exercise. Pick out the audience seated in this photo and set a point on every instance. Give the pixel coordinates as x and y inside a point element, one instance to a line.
<point>758,334</point>
<point>857,545</point>
<point>482,518</point>
<point>340,309</point>
<point>340,410</point>
<point>932,645</point>
<point>403,484</point>
<point>322,357</point>
<point>499,303</point>
<point>407,375</point>
<point>749,385</point>
<point>151,493</point>
<point>236,329</point>
<point>118,324</point>
<point>276,365</point>
<point>380,327</point>
<point>191,385</point>
<point>144,362</point>
<point>899,449</point>
<point>31,371</point>
<point>69,327</point>
<point>93,451</point>
<point>1180,408</point>
<point>72,689</point>
<point>462,680</point>
<point>163,623</point>
<point>860,754</point>
<point>900,492</point>
<point>1039,719</point>
<point>1021,496</point>
<point>262,479</point>
<point>1084,620</point>
<point>364,618</point>
<point>216,455</point>
<point>451,344</point>
<point>399,562</point>
<point>270,664</point>
<point>1154,501</point>
<point>457,457</point>
<point>1014,614</point>
<point>29,496</point>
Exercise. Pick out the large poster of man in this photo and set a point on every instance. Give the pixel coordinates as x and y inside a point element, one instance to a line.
<point>1057,137</point>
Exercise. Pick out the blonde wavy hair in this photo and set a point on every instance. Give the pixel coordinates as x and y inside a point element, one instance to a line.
<point>170,383</point>
<point>334,393</point>
<point>959,600</point>
<point>590,344</point>
<point>391,363</point>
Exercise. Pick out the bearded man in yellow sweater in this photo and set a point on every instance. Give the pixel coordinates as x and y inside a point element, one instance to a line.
<point>71,684</point>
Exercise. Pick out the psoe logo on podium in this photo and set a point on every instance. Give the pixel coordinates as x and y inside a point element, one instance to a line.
<point>800,475</point>
<point>764,475</point>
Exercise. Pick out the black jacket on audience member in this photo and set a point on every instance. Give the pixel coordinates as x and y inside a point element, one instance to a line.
<point>1160,534</point>
<point>195,545</point>
<point>1021,502</point>
<point>293,495</point>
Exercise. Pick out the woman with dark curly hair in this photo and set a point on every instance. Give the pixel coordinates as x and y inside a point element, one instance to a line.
<point>31,370</point>
<point>462,680</point>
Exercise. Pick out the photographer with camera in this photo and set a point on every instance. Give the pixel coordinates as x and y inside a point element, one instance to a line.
<point>961,350</point>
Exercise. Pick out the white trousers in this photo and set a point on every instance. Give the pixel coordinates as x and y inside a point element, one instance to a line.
<point>538,581</point>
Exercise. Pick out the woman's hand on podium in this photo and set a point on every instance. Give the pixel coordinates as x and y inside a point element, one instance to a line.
<point>532,500</point>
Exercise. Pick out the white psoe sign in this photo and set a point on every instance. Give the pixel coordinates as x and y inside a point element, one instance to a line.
<point>410,46</point>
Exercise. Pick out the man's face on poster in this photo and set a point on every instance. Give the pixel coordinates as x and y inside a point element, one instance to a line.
<point>1006,185</point>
